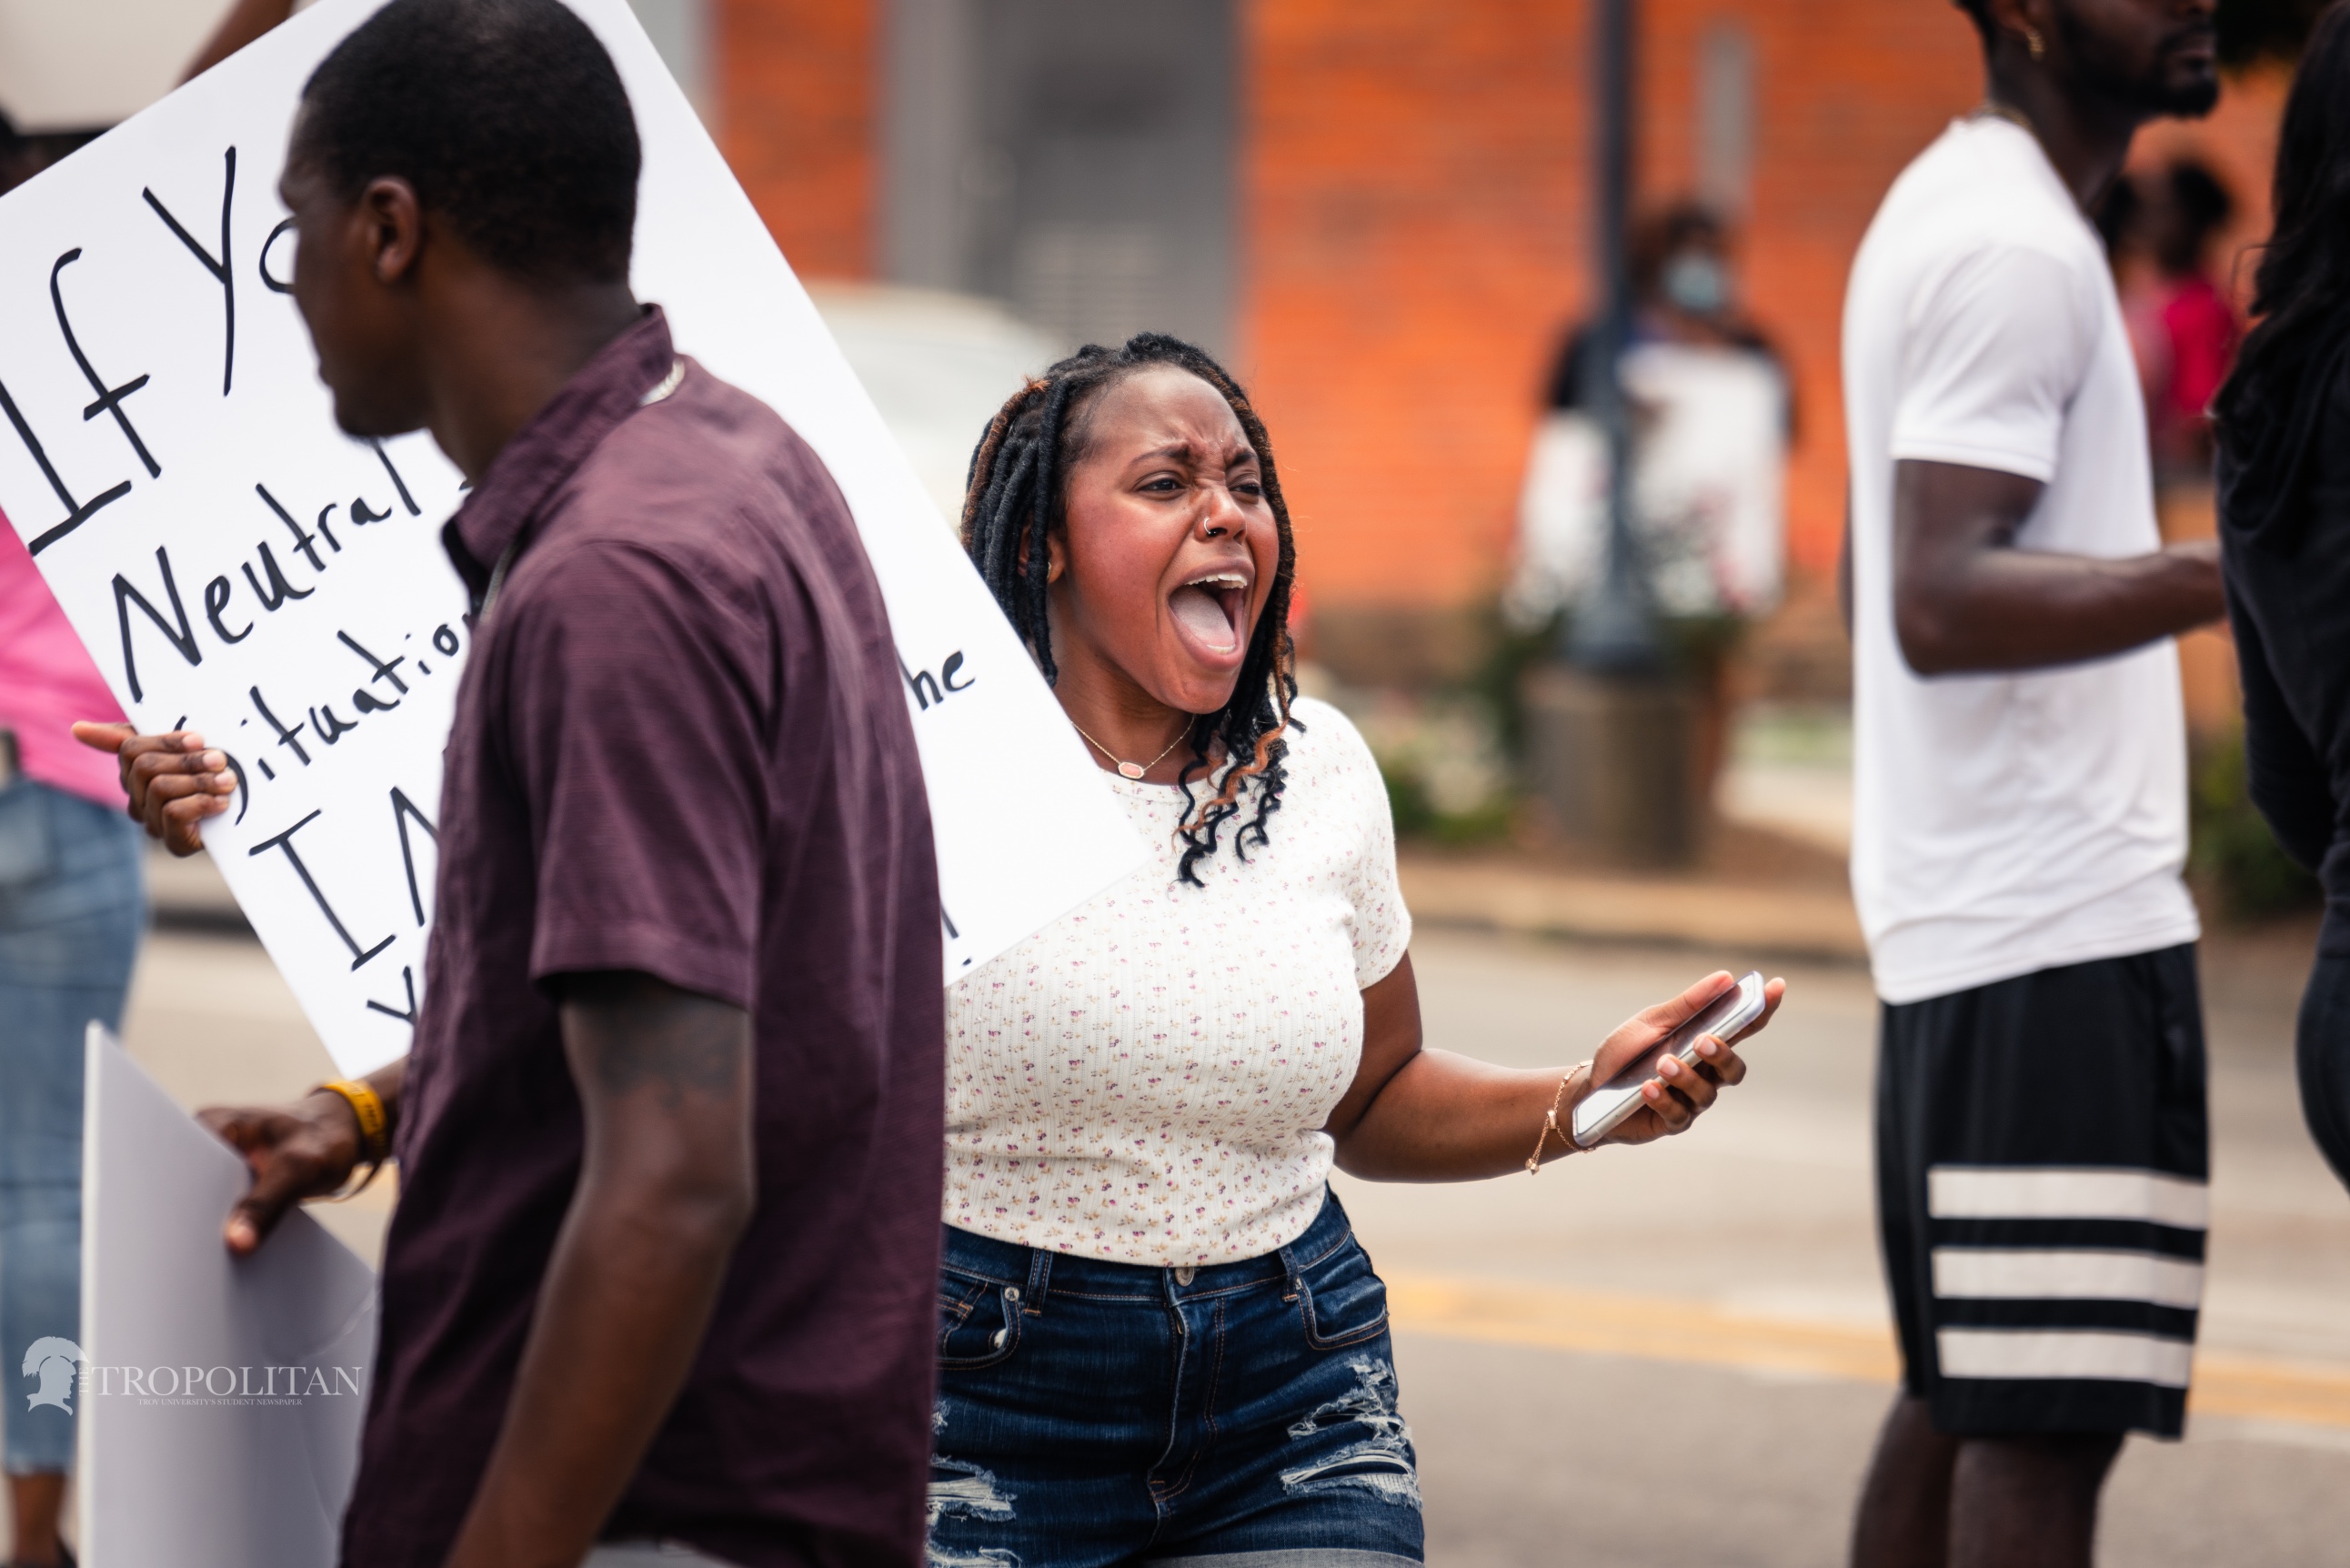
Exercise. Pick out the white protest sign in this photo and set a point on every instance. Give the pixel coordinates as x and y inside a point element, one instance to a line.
<point>236,565</point>
<point>219,1399</point>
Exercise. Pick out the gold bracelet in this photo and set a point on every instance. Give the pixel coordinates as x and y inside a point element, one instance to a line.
<point>375,1126</point>
<point>1550,1122</point>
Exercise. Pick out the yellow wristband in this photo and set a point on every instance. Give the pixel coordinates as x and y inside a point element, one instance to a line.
<point>367,1105</point>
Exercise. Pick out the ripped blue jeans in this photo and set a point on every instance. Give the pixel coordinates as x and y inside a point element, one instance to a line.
<point>1241,1414</point>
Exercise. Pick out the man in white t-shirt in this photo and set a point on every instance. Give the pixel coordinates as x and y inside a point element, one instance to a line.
<point>2021,814</point>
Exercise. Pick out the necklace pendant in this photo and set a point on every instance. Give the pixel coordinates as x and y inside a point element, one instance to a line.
<point>1130,769</point>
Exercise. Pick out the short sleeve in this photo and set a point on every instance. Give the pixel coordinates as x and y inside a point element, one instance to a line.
<point>1382,925</point>
<point>636,715</point>
<point>1992,355</point>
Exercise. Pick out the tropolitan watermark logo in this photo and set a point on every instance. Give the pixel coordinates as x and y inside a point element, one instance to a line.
<point>53,1361</point>
<point>65,1371</point>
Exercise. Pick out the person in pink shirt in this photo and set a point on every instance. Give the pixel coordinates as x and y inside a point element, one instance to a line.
<point>71,908</point>
<point>2183,327</point>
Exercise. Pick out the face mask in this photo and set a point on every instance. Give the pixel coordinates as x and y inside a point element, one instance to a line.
<point>1697,283</point>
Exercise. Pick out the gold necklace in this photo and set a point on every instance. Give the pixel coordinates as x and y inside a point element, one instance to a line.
<point>1127,770</point>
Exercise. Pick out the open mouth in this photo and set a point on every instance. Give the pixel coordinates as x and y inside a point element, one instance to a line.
<point>1213,608</point>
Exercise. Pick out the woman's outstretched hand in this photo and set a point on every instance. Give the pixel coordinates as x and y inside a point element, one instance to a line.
<point>1674,1098</point>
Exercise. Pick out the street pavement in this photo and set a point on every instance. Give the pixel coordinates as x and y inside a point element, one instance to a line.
<point>1679,1354</point>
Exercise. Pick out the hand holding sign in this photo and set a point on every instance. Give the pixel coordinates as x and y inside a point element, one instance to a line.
<point>175,781</point>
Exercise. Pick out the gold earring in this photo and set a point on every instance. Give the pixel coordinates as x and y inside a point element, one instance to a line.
<point>2033,42</point>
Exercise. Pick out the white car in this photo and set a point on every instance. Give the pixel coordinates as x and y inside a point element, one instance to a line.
<point>938,366</point>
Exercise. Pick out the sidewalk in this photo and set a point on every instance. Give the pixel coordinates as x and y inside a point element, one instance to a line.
<point>1772,899</point>
<point>1521,896</point>
<point>1757,891</point>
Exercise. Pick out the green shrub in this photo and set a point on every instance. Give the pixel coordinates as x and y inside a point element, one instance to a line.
<point>2233,857</point>
<point>1417,816</point>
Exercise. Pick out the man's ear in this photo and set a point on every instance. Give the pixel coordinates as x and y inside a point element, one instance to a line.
<point>391,224</point>
<point>2018,20</point>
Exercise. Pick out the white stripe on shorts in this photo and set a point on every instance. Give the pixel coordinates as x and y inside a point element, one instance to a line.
<point>2097,1353</point>
<point>2065,1192</point>
<point>1985,1273</point>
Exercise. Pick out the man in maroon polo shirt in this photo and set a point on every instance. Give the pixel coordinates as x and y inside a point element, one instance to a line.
<point>663,1265</point>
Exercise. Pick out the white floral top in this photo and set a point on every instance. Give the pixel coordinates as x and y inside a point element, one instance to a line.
<point>1144,1081</point>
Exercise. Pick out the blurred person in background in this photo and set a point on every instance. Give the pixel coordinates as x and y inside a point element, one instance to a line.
<point>1685,291</point>
<point>2283,422</point>
<point>2020,820</point>
<point>2182,325</point>
<point>71,908</point>
<point>1713,418</point>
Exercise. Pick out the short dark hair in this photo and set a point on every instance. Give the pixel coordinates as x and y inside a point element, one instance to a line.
<point>506,116</point>
<point>1979,12</point>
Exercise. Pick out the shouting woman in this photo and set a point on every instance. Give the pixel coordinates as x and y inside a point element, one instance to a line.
<point>1159,1338</point>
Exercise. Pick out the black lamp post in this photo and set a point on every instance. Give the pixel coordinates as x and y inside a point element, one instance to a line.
<point>1608,730</point>
<point>1612,630</point>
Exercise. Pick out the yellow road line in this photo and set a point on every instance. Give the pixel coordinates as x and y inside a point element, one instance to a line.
<point>1554,1317</point>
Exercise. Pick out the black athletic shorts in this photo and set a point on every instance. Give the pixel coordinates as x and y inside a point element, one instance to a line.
<point>2041,1158</point>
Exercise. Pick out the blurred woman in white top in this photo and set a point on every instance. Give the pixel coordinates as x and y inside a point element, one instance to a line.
<point>1158,1339</point>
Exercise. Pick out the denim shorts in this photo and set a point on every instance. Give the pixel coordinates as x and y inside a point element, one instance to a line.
<point>1243,1414</point>
<point>70,913</point>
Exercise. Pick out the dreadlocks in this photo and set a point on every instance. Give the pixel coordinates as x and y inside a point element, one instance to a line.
<point>1014,503</point>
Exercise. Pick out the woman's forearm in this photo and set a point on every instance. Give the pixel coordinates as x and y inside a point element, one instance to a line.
<point>1448,1117</point>
<point>1417,1114</point>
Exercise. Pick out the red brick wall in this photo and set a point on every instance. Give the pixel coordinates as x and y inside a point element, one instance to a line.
<point>1415,218</point>
<point>1411,231</point>
<point>1847,93</point>
<point>798,90</point>
<point>1413,222</point>
<point>1415,207</point>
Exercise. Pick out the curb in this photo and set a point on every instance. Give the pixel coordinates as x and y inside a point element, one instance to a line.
<point>1811,924</point>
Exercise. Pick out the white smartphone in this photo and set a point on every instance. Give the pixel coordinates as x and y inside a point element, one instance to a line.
<point>1724,1017</point>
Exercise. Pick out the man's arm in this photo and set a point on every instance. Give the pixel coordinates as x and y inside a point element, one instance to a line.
<point>1966,600</point>
<point>666,1187</point>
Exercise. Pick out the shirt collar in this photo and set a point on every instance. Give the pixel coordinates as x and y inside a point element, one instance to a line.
<point>552,443</point>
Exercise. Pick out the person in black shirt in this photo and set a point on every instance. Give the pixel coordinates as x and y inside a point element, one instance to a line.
<point>2284,427</point>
